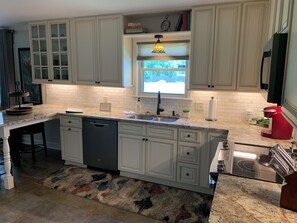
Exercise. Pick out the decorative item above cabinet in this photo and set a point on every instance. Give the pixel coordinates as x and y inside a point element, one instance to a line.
<point>158,22</point>
<point>50,51</point>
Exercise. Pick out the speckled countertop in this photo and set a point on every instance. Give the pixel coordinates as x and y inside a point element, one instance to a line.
<point>238,199</point>
<point>238,132</point>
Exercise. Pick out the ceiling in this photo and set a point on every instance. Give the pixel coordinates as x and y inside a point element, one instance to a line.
<point>18,11</point>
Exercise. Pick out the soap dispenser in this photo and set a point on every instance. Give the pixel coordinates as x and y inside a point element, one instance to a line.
<point>138,105</point>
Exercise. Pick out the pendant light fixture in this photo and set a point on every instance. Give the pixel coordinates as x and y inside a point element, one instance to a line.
<point>158,47</point>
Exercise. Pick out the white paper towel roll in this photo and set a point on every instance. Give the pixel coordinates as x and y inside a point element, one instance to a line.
<point>212,110</point>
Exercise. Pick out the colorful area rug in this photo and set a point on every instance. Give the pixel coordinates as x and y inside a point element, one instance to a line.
<point>152,200</point>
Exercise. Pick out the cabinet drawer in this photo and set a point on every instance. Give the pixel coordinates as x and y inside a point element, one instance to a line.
<point>162,132</point>
<point>187,135</point>
<point>188,152</point>
<point>71,121</point>
<point>131,128</point>
<point>187,173</point>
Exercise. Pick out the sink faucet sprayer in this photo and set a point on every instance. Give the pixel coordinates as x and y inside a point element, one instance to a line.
<point>158,105</point>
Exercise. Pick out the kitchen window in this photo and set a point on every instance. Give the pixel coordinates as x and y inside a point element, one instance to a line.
<point>166,72</point>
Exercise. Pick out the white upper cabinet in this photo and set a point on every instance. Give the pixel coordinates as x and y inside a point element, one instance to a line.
<point>202,31</point>
<point>254,31</point>
<point>226,42</point>
<point>109,32</point>
<point>98,51</point>
<point>84,45</point>
<point>50,51</point>
<point>289,102</point>
<point>283,9</point>
<point>214,47</point>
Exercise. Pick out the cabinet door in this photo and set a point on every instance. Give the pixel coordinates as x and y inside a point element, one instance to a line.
<point>254,29</point>
<point>189,152</point>
<point>202,33</point>
<point>84,50</point>
<point>59,45</point>
<point>207,153</point>
<point>290,91</point>
<point>109,32</point>
<point>131,153</point>
<point>161,158</point>
<point>39,52</point>
<point>284,14</point>
<point>226,44</point>
<point>71,144</point>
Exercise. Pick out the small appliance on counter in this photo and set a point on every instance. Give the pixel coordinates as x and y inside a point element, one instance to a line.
<point>280,128</point>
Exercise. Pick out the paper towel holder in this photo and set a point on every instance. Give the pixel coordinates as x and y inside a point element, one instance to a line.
<point>211,109</point>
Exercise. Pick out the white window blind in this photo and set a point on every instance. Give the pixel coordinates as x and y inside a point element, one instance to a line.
<point>174,50</point>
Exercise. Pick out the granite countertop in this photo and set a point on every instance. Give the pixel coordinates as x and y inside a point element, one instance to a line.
<point>238,199</point>
<point>237,132</point>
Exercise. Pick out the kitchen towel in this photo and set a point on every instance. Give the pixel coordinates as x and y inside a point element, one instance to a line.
<point>212,110</point>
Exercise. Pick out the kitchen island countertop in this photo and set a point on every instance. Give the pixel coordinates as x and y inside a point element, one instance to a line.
<point>238,199</point>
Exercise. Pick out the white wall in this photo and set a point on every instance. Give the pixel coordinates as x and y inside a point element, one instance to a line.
<point>21,40</point>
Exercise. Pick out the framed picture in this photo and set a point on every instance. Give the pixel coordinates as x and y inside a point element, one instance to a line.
<point>35,95</point>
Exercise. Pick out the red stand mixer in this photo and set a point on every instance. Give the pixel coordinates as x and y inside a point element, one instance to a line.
<point>281,128</point>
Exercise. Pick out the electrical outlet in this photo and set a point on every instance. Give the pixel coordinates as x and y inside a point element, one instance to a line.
<point>105,107</point>
<point>198,106</point>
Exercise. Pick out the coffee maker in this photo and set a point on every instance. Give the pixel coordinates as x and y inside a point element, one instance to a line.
<point>280,128</point>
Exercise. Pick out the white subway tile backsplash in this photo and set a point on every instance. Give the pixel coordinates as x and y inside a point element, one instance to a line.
<point>230,105</point>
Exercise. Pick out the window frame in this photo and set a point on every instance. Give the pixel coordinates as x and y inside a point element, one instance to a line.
<point>141,83</point>
<point>137,69</point>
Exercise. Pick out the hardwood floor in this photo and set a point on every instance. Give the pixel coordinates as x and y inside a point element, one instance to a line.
<point>31,202</point>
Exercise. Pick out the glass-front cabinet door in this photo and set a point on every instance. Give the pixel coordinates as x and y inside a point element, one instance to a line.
<point>39,51</point>
<point>50,51</point>
<point>59,50</point>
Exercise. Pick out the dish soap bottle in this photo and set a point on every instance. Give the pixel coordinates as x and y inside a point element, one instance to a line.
<point>138,106</point>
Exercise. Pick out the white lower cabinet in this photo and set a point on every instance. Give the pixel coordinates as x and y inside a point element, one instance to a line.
<point>131,153</point>
<point>161,158</point>
<point>142,153</point>
<point>187,173</point>
<point>207,153</point>
<point>71,139</point>
<point>189,146</point>
<point>167,155</point>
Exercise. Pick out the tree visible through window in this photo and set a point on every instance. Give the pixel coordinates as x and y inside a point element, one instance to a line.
<point>167,76</point>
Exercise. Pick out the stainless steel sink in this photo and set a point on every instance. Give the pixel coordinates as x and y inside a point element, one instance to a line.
<point>143,117</point>
<point>155,118</point>
<point>165,119</point>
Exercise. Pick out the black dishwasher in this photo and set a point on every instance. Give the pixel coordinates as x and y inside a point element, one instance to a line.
<point>100,143</point>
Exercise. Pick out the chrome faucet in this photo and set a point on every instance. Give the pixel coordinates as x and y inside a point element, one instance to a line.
<point>158,105</point>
